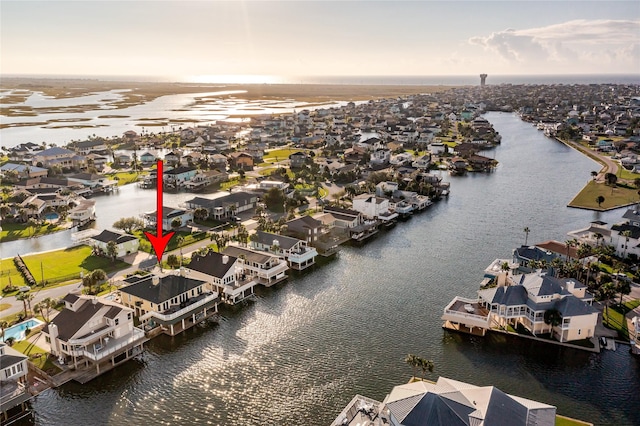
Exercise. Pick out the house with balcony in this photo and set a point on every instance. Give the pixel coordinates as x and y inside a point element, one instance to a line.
<point>299,255</point>
<point>57,156</point>
<point>179,176</point>
<point>226,273</point>
<point>315,233</point>
<point>265,268</point>
<point>14,389</point>
<point>89,146</point>
<point>350,221</point>
<point>225,204</point>
<point>125,243</point>
<point>173,302</point>
<point>93,336</point>
<point>22,171</point>
<point>523,300</point>
<point>625,236</point>
<point>169,214</point>
<point>83,212</point>
<point>375,208</point>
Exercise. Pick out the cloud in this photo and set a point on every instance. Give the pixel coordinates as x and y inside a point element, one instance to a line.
<point>579,41</point>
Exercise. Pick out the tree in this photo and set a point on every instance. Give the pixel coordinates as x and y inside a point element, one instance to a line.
<point>172,261</point>
<point>425,365</point>
<point>526,234</point>
<point>605,293</point>
<point>95,278</point>
<point>610,179</point>
<point>23,298</point>
<point>3,326</point>
<point>552,317</point>
<point>274,199</point>
<point>180,242</point>
<point>594,174</point>
<point>412,360</point>
<point>176,223</point>
<point>128,224</point>
<point>600,199</point>
<point>626,234</point>
<point>200,214</point>
<point>112,250</point>
<point>45,308</point>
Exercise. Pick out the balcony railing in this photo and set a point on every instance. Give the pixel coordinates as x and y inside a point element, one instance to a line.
<point>176,314</point>
<point>136,335</point>
<point>94,335</point>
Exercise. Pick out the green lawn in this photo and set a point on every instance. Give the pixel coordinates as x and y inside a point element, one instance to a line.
<point>125,178</point>
<point>16,231</point>
<point>279,155</point>
<point>145,245</point>
<point>9,272</point>
<point>66,264</point>
<point>566,421</point>
<point>37,355</point>
<point>613,197</point>
<point>614,317</point>
<point>225,186</point>
<point>627,174</point>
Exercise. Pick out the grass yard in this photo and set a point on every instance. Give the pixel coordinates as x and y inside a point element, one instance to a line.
<point>613,197</point>
<point>9,273</point>
<point>145,245</point>
<point>16,231</point>
<point>566,421</point>
<point>627,174</point>
<point>66,264</point>
<point>614,317</point>
<point>38,356</point>
<point>225,186</point>
<point>279,154</point>
<point>125,178</point>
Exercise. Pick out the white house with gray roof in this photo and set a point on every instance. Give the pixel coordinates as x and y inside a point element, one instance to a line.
<point>93,333</point>
<point>125,243</point>
<point>173,302</point>
<point>524,300</point>
<point>267,269</point>
<point>13,379</point>
<point>299,255</point>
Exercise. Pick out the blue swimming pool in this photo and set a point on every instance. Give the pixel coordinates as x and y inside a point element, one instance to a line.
<point>17,331</point>
<point>51,216</point>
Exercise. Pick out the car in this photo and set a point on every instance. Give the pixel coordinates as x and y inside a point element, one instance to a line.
<point>25,288</point>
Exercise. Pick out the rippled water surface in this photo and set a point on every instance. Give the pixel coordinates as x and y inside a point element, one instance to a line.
<point>301,350</point>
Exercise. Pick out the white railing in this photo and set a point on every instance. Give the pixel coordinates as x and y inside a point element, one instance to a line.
<point>137,335</point>
<point>91,337</point>
<point>303,257</point>
<point>174,315</point>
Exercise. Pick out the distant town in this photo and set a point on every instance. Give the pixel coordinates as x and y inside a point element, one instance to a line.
<point>280,194</point>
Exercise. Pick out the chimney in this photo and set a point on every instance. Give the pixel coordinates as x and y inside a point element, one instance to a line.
<point>225,260</point>
<point>94,300</point>
<point>183,271</point>
<point>155,280</point>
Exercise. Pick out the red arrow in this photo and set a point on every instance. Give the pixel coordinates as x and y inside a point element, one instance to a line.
<point>159,241</point>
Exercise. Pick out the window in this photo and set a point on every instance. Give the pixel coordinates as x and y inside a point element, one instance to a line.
<point>129,316</point>
<point>117,321</point>
<point>579,330</point>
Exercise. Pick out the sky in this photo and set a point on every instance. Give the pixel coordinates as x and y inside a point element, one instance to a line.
<point>253,40</point>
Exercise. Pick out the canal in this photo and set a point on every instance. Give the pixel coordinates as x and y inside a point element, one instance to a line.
<point>302,350</point>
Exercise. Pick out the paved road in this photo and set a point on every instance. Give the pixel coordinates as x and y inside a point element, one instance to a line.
<point>609,166</point>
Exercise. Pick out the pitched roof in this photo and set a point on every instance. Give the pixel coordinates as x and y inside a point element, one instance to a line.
<point>251,256</point>
<point>167,288</point>
<point>268,238</point>
<point>212,264</point>
<point>106,236</point>
<point>69,322</point>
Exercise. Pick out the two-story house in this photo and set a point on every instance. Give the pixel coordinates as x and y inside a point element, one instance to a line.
<point>14,390</point>
<point>91,333</point>
<point>173,302</point>
<point>125,243</point>
<point>226,274</point>
<point>265,268</point>
<point>178,176</point>
<point>299,255</point>
<point>169,214</point>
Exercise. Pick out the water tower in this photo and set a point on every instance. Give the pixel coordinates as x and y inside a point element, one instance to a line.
<point>483,79</point>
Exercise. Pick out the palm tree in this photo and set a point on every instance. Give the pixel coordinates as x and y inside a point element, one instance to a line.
<point>23,298</point>
<point>526,234</point>
<point>112,250</point>
<point>3,326</point>
<point>600,199</point>
<point>44,308</point>
<point>570,243</point>
<point>626,234</point>
<point>606,292</point>
<point>425,365</point>
<point>180,241</point>
<point>412,360</point>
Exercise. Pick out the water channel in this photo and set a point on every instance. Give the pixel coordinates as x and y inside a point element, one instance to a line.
<point>302,350</point>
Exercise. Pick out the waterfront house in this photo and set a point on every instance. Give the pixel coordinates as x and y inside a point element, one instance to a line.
<point>373,207</point>
<point>225,272</point>
<point>172,158</point>
<point>178,176</point>
<point>83,212</point>
<point>57,156</point>
<point>225,204</point>
<point>305,228</point>
<point>90,333</point>
<point>89,146</point>
<point>173,302</point>
<point>299,255</point>
<point>98,183</point>
<point>423,162</point>
<point>446,402</point>
<point>523,301</point>
<point>14,388</point>
<point>147,158</point>
<point>265,268</point>
<point>22,171</point>
<point>125,243</point>
<point>595,234</point>
<point>350,221</point>
<point>169,214</point>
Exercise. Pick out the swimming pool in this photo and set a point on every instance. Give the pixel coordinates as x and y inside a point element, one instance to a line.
<point>51,216</point>
<point>17,331</point>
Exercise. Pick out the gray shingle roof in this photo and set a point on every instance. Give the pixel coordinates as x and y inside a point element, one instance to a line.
<point>284,242</point>
<point>106,236</point>
<point>168,287</point>
<point>212,264</point>
<point>69,322</point>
